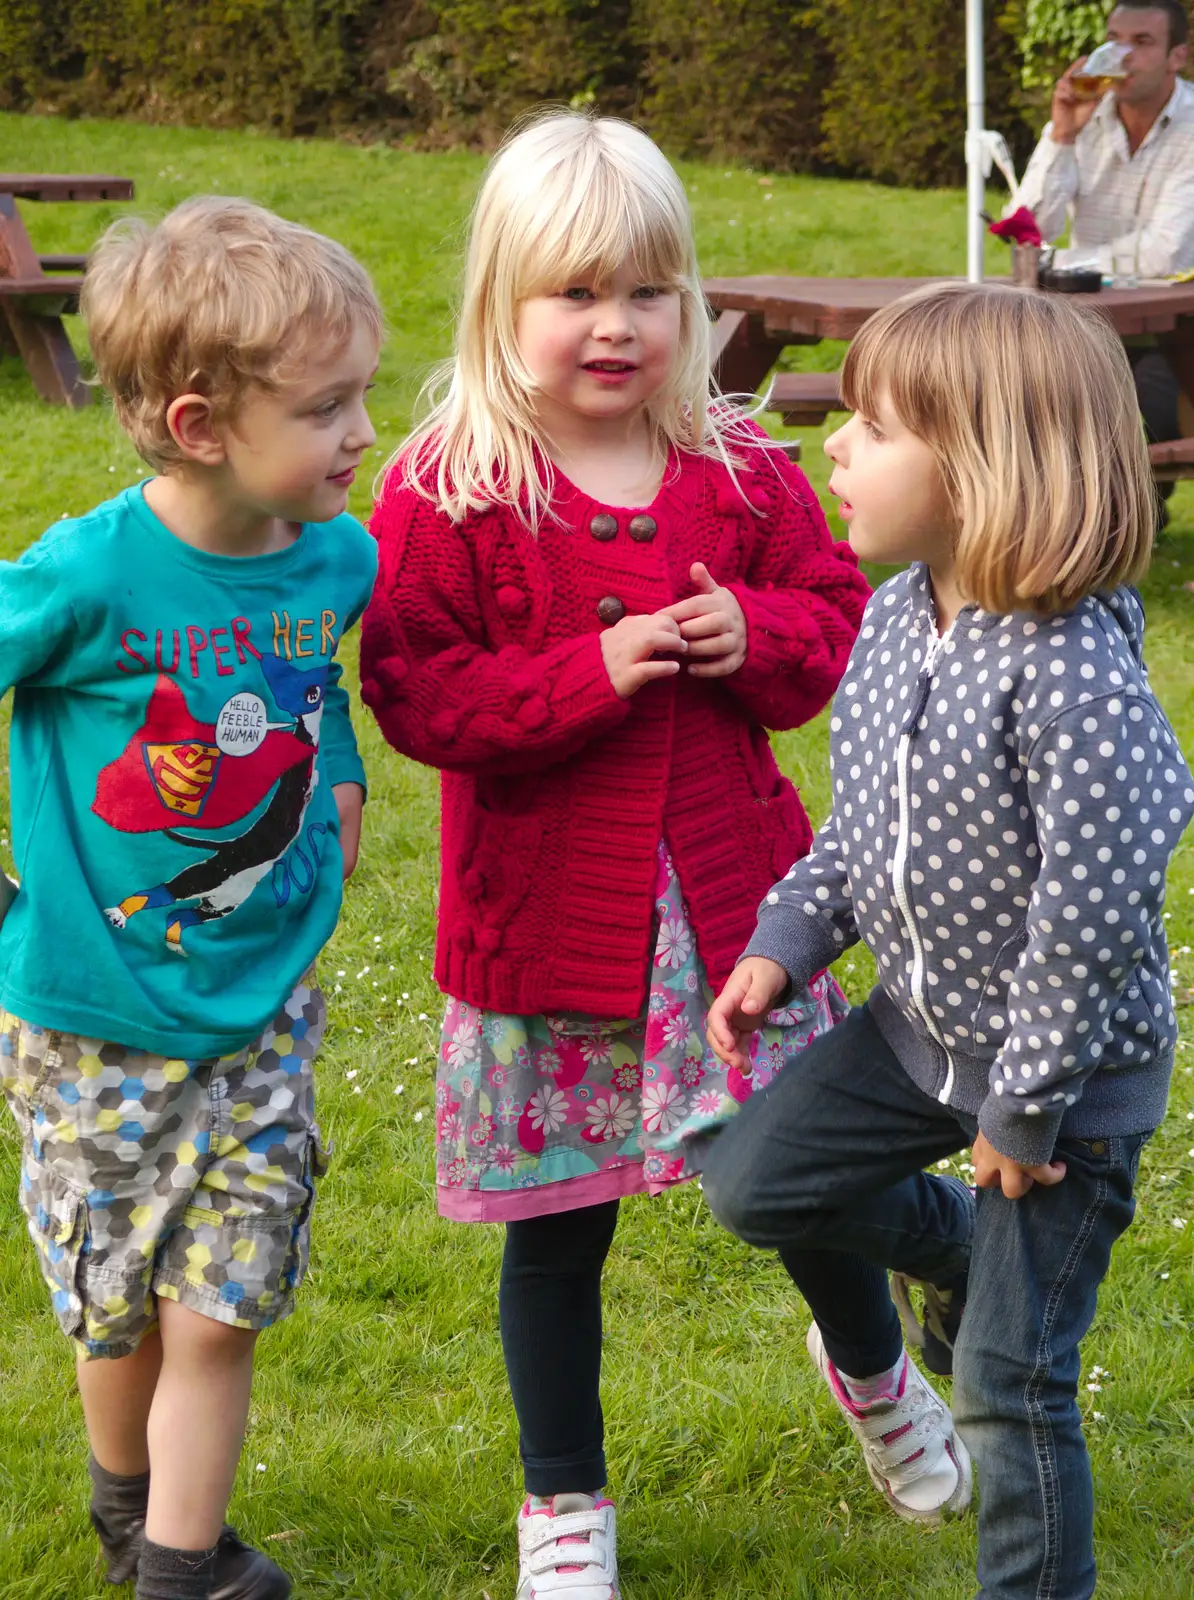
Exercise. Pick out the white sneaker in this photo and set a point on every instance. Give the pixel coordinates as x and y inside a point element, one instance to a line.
<point>568,1546</point>
<point>912,1450</point>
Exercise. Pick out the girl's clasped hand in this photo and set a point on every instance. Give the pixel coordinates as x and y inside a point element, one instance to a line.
<point>708,630</point>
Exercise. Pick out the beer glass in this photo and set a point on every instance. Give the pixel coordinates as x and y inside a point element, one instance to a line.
<point>1102,70</point>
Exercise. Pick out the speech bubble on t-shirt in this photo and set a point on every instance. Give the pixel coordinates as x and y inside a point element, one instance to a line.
<point>242,724</point>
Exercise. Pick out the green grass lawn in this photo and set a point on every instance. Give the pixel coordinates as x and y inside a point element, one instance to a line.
<point>381,1454</point>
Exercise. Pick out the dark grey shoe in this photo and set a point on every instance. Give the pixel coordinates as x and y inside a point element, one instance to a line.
<point>243,1573</point>
<point>117,1512</point>
<point>121,1543</point>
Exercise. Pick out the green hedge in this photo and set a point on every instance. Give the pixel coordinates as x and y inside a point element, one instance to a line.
<point>874,87</point>
<point>895,105</point>
<point>734,79</point>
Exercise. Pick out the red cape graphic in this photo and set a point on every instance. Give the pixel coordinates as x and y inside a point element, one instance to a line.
<point>172,774</point>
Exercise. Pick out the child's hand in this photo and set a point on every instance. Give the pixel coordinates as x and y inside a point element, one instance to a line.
<point>350,803</point>
<point>627,649</point>
<point>994,1171</point>
<point>750,992</point>
<point>713,625</point>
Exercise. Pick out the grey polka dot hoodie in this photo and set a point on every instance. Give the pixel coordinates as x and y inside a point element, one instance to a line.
<point>1005,802</point>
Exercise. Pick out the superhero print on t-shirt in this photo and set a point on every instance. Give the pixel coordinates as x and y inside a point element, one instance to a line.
<point>178,775</point>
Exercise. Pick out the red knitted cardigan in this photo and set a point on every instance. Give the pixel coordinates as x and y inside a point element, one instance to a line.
<point>480,654</point>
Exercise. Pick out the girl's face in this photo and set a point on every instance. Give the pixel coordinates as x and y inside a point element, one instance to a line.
<point>599,355</point>
<point>893,499</point>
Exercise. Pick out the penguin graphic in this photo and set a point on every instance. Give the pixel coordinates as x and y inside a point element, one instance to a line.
<point>195,774</point>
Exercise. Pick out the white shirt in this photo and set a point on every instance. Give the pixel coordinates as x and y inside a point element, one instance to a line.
<point>1119,202</point>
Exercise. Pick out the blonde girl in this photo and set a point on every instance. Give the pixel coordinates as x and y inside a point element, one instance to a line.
<point>1006,796</point>
<point>599,586</point>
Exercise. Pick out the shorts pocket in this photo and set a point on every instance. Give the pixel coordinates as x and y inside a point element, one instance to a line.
<point>57,1213</point>
<point>315,1165</point>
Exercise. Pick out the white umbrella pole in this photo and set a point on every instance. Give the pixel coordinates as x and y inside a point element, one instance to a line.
<point>975,117</point>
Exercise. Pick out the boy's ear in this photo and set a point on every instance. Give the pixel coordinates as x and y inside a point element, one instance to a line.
<point>192,428</point>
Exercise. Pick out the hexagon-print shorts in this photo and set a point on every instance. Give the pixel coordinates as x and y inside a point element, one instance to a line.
<point>144,1176</point>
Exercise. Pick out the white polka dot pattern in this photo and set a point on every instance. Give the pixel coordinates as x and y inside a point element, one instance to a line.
<point>1013,903</point>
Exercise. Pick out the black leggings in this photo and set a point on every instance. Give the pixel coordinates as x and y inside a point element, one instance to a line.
<point>549,1305</point>
<point>550,1311</point>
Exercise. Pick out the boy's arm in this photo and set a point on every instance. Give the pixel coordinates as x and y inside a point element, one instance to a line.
<point>37,625</point>
<point>342,759</point>
<point>37,622</point>
<point>337,738</point>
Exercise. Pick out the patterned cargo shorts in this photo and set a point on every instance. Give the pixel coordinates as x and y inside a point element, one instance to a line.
<point>144,1176</point>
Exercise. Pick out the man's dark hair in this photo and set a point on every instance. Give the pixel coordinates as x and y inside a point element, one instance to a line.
<point>1175,14</point>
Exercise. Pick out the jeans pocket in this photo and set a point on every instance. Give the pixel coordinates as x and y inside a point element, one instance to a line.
<point>57,1213</point>
<point>1111,1154</point>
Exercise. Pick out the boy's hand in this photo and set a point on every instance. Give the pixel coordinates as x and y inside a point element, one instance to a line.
<point>350,803</point>
<point>628,647</point>
<point>713,625</point>
<point>750,992</point>
<point>994,1171</point>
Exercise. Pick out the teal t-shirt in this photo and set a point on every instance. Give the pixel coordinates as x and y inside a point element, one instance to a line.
<point>178,725</point>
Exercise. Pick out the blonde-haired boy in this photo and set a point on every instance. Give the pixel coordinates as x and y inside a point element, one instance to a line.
<point>186,798</point>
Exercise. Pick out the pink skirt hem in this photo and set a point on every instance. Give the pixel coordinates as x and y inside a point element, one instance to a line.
<point>571,1194</point>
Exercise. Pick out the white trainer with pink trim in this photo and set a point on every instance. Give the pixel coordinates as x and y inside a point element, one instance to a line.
<point>567,1546</point>
<point>912,1450</point>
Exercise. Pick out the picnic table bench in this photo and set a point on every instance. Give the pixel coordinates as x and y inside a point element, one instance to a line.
<point>759,317</point>
<point>36,291</point>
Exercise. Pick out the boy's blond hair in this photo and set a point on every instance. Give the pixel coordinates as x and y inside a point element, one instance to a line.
<point>220,296</point>
<point>568,197</point>
<point>1028,403</point>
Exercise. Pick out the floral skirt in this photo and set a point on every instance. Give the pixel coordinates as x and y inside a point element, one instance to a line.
<point>549,1113</point>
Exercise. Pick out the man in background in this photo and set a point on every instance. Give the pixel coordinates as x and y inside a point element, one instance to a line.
<point>1120,170</point>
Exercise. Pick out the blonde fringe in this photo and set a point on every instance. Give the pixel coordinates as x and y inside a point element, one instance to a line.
<point>567,196</point>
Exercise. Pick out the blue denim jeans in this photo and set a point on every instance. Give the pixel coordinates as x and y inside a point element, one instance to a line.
<point>825,1167</point>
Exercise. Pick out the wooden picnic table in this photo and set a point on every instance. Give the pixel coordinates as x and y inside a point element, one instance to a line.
<point>36,291</point>
<point>759,317</point>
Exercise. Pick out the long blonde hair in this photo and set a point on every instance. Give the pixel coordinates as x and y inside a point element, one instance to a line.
<point>567,195</point>
<point>1027,401</point>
